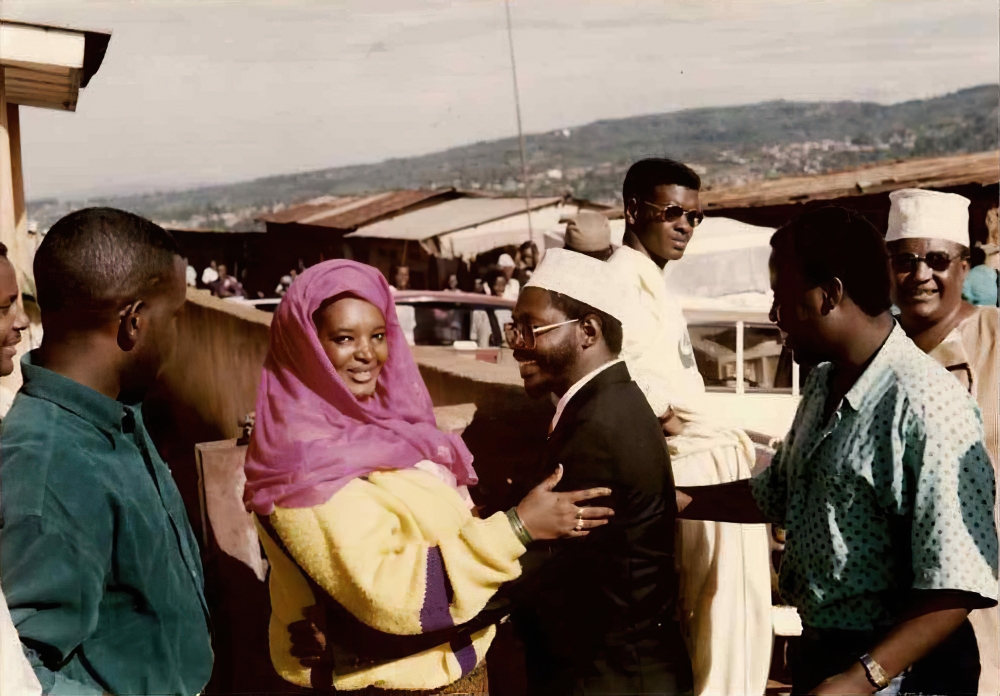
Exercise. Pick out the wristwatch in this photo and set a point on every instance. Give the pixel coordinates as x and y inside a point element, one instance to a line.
<point>876,675</point>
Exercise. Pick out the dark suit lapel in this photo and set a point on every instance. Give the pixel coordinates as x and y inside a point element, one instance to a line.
<point>612,375</point>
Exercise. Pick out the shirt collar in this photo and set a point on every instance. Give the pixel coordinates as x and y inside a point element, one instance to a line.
<point>951,351</point>
<point>887,355</point>
<point>572,391</point>
<point>650,275</point>
<point>104,413</point>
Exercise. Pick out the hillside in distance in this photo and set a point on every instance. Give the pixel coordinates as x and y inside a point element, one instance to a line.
<point>727,146</point>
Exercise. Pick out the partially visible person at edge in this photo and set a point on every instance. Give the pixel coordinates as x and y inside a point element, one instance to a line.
<point>883,483</point>
<point>506,264</point>
<point>527,260</point>
<point>598,615</point>
<point>928,241</point>
<point>362,506</point>
<point>588,232</point>
<point>725,569</point>
<point>982,285</point>
<point>210,274</point>
<point>983,282</point>
<point>97,557</point>
<point>487,330</point>
<point>401,278</point>
<point>16,674</point>
<point>283,284</point>
<point>226,285</point>
<point>407,313</point>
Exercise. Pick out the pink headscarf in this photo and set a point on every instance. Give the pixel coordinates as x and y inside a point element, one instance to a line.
<point>312,436</point>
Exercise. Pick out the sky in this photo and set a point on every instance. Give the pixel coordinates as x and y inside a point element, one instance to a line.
<point>206,91</point>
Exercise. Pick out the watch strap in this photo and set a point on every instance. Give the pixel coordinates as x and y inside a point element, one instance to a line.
<point>876,675</point>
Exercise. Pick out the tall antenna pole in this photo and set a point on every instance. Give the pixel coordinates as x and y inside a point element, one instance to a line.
<point>520,133</point>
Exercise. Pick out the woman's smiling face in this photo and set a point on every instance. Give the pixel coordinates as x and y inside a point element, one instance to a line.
<point>353,335</point>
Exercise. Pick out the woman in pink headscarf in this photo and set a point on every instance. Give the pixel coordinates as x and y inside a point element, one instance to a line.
<point>361,502</point>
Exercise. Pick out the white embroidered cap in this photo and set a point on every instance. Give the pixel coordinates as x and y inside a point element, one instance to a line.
<point>917,213</point>
<point>583,278</point>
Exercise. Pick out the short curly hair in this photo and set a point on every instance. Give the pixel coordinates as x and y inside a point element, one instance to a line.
<point>833,242</point>
<point>95,258</point>
<point>645,175</point>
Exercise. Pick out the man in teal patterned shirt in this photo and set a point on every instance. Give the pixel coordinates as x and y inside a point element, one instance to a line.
<point>883,484</point>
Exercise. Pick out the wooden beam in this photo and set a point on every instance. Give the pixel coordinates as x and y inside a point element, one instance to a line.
<point>41,104</point>
<point>22,44</point>
<point>38,67</point>
<point>13,73</point>
<point>8,223</point>
<point>17,173</point>
<point>42,80</point>
<point>39,88</point>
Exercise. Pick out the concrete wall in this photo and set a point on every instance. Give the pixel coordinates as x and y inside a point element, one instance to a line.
<point>208,386</point>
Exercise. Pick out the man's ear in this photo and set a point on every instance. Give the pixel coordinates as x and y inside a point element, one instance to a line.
<point>833,295</point>
<point>130,323</point>
<point>631,210</point>
<point>592,330</point>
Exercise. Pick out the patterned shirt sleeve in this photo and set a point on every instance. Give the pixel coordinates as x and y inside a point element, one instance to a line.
<point>770,489</point>
<point>954,536</point>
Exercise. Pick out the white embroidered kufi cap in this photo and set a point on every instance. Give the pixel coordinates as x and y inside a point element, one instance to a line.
<point>917,213</point>
<point>583,278</point>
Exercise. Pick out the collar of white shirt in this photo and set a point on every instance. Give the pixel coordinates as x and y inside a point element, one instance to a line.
<point>571,392</point>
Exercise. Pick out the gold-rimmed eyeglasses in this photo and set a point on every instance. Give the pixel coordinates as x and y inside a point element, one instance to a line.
<point>524,335</point>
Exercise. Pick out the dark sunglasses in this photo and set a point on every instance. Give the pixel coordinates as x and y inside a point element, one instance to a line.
<point>936,260</point>
<point>672,212</point>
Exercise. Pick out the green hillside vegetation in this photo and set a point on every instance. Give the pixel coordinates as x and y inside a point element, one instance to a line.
<point>728,146</point>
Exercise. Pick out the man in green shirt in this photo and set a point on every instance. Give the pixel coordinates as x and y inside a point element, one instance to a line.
<point>98,561</point>
<point>883,483</point>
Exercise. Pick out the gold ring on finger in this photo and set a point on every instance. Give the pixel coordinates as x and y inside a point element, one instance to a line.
<point>579,524</point>
<point>579,513</point>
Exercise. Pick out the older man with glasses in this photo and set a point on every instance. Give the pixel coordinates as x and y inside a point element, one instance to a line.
<point>928,242</point>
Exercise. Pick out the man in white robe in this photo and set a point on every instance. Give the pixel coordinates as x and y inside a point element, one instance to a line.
<point>724,568</point>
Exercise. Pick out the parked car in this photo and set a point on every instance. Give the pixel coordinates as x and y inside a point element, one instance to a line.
<point>442,317</point>
<point>268,304</point>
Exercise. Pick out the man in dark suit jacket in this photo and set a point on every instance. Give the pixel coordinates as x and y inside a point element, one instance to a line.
<point>597,614</point>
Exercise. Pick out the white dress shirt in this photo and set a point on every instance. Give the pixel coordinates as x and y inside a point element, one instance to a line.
<point>572,391</point>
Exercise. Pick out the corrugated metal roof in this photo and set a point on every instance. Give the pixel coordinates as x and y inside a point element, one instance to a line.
<point>204,230</point>
<point>449,216</point>
<point>940,172</point>
<point>350,212</point>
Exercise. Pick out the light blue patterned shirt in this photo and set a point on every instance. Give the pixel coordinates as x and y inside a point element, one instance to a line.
<point>895,492</point>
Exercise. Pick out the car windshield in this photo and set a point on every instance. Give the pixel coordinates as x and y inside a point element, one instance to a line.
<point>443,323</point>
